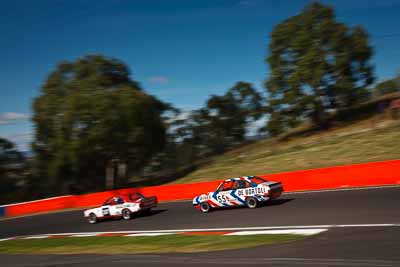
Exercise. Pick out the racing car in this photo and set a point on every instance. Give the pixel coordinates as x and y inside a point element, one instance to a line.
<point>123,206</point>
<point>247,191</point>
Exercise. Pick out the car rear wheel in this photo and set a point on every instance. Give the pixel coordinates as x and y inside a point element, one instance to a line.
<point>205,207</point>
<point>92,218</point>
<point>251,202</point>
<point>126,214</point>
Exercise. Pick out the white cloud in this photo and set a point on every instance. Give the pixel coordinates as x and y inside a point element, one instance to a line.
<point>21,140</point>
<point>9,117</point>
<point>158,80</point>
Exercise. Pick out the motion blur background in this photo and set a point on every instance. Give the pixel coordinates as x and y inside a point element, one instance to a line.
<point>154,92</point>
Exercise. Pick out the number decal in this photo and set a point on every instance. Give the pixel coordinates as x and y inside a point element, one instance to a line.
<point>221,198</point>
<point>106,211</point>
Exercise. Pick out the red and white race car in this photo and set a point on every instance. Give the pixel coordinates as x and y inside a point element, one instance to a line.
<point>123,206</point>
<point>247,191</point>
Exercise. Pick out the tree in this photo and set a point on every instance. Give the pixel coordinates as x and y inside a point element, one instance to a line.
<point>387,86</point>
<point>91,112</point>
<point>229,115</point>
<point>223,122</point>
<point>11,165</point>
<point>316,65</point>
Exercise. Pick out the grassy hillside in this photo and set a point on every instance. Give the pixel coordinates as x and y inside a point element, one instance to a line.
<point>375,139</point>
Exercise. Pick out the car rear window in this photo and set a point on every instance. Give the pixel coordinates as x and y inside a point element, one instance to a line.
<point>257,180</point>
<point>135,196</point>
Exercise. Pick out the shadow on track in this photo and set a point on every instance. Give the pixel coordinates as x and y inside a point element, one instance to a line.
<point>277,202</point>
<point>272,202</point>
<point>149,213</point>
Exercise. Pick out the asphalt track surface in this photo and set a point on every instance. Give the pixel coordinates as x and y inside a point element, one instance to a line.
<point>365,246</point>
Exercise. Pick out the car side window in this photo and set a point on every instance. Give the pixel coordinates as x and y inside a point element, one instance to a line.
<point>241,184</point>
<point>107,202</point>
<point>119,200</point>
<point>227,186</point>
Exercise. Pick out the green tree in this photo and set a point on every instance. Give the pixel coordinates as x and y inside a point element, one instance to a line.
<point>229,115</point>
<point>90,112</point>
<point>316,65</point>
<point>221,124</point>
<point>224,121</point>
<point>11,167</point>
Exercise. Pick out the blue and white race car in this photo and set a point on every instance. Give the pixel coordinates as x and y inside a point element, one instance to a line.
<point>247,191</point>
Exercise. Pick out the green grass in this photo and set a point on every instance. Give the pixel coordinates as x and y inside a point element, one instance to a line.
<point>366,141</point>
<point>156,244</point>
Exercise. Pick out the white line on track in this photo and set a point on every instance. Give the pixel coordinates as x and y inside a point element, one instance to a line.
<point>299,229</point>
<point>6,239</point>
<point>275,232</point>
<point>288,227</point>
<point>36,237</point>
<point>149,234</point>
<point>84,235</point>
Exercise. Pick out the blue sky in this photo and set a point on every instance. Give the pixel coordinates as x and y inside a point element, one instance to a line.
<point>179,50</point>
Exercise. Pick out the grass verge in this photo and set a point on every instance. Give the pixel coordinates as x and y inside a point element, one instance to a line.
<point>366,141</point>
<point>133,245</point>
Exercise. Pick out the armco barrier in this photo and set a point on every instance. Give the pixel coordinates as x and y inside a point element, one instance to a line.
<point>366,174</point>
<point>38,206</point>
<point>357,175</point>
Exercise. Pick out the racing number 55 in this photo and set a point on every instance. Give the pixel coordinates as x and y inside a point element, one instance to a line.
<point>221,198</point>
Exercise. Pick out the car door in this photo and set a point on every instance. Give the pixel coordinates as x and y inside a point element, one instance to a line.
<point>223,195</point>
<point>105,209</point>
<point>238,193</point>
<point>117,206</point>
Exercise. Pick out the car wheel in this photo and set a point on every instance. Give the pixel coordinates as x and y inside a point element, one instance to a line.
<point>205,207</point>
<point>251,203</point>
<point>92,218</point>
<point>126,214</point>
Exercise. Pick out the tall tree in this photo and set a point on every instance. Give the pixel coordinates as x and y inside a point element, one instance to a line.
<point>223,122</point>
<point>90,112</point>
<point>231,113</point>
<point>317,64</point>
<point>11,167</point>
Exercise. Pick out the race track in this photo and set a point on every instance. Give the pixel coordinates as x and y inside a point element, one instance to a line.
<point>369,246</point>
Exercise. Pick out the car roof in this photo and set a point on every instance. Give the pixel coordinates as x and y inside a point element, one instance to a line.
<point>238,178</point>
<point>124,197</point>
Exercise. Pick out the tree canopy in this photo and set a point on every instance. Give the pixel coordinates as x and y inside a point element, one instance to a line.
<point>316,65</point>
<point>90,112</point>
<point>11,165</point>
<point>223,122</point>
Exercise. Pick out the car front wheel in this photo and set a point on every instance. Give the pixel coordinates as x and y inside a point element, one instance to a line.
<point>92,218</point>
<point>205,207</point>
<point>126,214</point>
<point>251,202</point>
